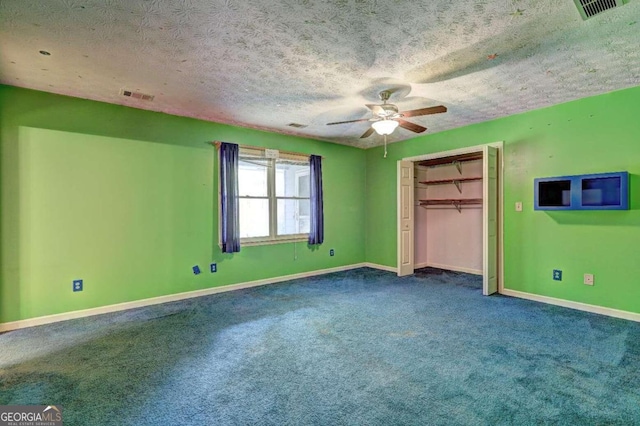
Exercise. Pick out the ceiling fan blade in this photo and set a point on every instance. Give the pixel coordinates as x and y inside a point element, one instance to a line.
<point>425,111</point>
<point>411,126</point>
<point>367,133</point>
<point>376,109</point>
<point>349,121</point>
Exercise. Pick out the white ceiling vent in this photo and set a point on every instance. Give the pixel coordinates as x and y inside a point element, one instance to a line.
<point>136,95</point>
<point>589,8</point>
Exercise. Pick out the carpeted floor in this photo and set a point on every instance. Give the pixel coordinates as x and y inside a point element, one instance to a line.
<point>361,347</point>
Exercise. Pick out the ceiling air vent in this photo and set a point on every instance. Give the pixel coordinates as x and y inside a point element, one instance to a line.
<point>297,125</point>
<point>136,95</point>
<point>589,8</point>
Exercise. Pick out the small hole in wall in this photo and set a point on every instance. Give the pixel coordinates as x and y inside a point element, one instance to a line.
<point>45,53</point>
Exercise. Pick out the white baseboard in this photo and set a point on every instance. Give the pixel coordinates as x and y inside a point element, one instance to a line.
<point>48,319</point>
<point>32,322</point>
<point>448,268</point>
<point>632,316</point>
<point>382,267</point>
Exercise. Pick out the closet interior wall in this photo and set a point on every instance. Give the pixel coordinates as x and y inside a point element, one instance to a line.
<point>449,236</point>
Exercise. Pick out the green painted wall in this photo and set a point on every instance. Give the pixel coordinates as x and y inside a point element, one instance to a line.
<point>597,134</point>
<point>126,200</point>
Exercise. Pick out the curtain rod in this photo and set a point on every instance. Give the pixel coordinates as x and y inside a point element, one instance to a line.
<point>217,145</point>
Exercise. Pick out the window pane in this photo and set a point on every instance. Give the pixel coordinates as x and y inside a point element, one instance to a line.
<point>304,189</point>
<point>292,179</point>
<point>254,218</point>
<point>252,177</point>
<point>293,217</point>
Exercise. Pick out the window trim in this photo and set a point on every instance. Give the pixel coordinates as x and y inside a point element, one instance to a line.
<point>285,156</point>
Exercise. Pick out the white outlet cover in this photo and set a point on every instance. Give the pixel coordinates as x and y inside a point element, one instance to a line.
<point>588,279</point>
<point>518,206</point>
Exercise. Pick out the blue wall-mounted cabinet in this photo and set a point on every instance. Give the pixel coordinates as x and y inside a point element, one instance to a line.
<point>602,191</point>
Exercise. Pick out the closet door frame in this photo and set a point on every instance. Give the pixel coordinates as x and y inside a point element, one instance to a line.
<point>401,225</point>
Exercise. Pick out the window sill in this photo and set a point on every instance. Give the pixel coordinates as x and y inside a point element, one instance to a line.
<point>292,239</point>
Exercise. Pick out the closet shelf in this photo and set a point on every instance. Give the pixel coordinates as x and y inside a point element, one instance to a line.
<point>455,160</point>
<point>445,181</point>
<point>456,182</point>
<point>457,203</point>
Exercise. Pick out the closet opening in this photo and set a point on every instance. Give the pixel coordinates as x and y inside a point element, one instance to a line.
<point>449,213</point>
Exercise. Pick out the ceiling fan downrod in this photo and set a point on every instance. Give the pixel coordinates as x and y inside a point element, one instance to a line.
<point>384,96</point>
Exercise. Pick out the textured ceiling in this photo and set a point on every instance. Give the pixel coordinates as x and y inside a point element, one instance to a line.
<point>265,64</point>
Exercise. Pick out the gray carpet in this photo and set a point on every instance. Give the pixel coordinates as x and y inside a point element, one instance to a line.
<point>361,347</point>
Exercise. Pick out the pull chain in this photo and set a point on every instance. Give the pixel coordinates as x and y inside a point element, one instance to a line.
<point>385,146</point>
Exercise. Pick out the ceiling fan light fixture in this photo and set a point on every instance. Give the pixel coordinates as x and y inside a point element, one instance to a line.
<point>385,127</point>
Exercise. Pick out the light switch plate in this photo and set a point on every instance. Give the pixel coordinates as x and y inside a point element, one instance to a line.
<point>518,206</point>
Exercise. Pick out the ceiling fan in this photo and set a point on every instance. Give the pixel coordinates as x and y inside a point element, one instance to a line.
<point>387,117</point>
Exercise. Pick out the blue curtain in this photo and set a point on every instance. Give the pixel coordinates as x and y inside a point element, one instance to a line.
<point>316,233</point>
<point>230,229</point>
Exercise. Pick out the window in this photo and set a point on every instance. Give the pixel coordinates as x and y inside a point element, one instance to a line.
<point>273,196</point>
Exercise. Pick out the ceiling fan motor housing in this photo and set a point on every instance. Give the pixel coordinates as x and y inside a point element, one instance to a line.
<point>387,110</point>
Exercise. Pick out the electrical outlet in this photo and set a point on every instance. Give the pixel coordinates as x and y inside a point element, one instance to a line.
<point>557,274</point>
<point>518,206</point>
<point>588,279</point>
<point>331,252</point>
<point>196,270</point>
<point>214,267</point>
<point>77,285</point>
